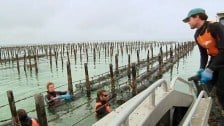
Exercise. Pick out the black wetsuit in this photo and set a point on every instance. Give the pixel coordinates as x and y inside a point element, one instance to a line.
<point>51,95</point>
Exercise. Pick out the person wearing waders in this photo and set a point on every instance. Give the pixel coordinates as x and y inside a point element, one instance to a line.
<point>102,105</point>
<point>53,98</point>
<point>209,37</point>
<point>25,120</point>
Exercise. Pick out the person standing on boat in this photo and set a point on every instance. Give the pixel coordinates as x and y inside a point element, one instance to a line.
<point>102,105</point>
<point>209,37</point>
<point>25,120</point>
<point>54,97</point>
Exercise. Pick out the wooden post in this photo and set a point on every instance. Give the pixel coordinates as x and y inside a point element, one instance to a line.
<point>24,58</point>
<point>37,53</point>
<point>56,57</point>
<point>35,61</point>
<point>9,59</point>
<point>166,51</point>
<point>71,47</point>
<point>50,57</point>
<point>175,50</point>
<point>63,49</point>
<point>68,57</point>
<point>62,62</point>
<point>87,59</point>
<point>12,106</point>
<point>129,66</point>
<point>99,52</point>
<point>138,60</point>
<point>17,62</point>
<point>9,56</point>
<point>80,51</point>
<point>30,61</point>
<point>87,81</point>
<point>69,78</point>
<point>160,64</point>
<point>94,56</point>
<point>148,61</point>
<point>161,52</point>
<point>151,48</point>
<point>75,55</point>
<point>112,80</point>
<point>46,51</point>
<point>40,109</point>
<point>134,85</point>
<point>108,50</point>
<point>131,48</point>
<point>116,63</point>
<point>171,54</point>
<point>105,48</point>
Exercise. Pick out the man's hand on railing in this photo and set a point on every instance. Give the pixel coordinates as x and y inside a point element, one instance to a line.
<point>206,76</point>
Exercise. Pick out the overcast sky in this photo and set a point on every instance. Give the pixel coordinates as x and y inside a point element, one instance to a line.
<point>44,21</point>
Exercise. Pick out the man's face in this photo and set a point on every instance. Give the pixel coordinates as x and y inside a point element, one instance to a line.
<point>193,22</point>
<point>104,96</point>
<point>51,88</point>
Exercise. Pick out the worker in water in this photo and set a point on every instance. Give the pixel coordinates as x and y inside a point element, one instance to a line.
<point>54,97</point>
<point>209,37</point>
<point>102,105</point>
<point>25,120</point>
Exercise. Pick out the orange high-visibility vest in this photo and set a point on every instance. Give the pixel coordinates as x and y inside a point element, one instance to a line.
<point>34,122</point>
<point>208,42</point>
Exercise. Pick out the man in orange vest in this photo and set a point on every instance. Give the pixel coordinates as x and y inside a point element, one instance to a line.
<point>102,105</point>
<point>209,37</point>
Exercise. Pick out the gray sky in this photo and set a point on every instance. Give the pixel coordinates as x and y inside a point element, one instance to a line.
<point>44,21</point>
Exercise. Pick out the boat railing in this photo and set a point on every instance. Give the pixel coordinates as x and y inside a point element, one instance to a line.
<point>122,117</point>
<point>194,108</point>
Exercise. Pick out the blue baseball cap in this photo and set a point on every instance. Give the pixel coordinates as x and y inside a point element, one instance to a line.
<point>193,12</point>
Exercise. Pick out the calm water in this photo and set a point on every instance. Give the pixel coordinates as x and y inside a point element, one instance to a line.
<point>78,112</point>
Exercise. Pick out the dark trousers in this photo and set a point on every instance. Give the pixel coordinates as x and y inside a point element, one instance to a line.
<point>220,86</point>
<point>218,83</point>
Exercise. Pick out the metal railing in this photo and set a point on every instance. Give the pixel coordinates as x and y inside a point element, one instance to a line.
<point>193,109</point>
<point>122,118</point>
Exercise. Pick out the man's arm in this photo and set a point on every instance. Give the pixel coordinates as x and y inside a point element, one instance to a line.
<point>61,92</point>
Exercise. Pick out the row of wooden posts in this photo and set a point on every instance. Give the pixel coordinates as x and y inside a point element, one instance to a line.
<point>9,53</point>
<point>31,53</point>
